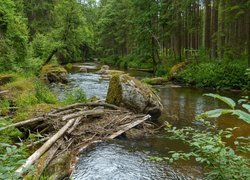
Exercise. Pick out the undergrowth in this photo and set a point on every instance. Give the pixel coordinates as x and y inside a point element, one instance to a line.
<point>215,75</point>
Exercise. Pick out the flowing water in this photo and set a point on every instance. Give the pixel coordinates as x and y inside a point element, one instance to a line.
<point>130,159</point>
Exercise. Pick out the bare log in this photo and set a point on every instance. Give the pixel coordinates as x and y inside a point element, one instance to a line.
<point>4,92</point>
<point>35,156</point>
<point>75,125</point>
<point>96,112</point>
<point>23,123</point>
<point>111,106</point>
<point>128,127</point>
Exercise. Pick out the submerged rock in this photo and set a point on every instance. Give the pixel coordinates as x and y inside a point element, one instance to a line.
<point>54,74</point>
<point>134,95</point>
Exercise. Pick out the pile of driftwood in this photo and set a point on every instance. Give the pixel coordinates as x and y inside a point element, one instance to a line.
<point>74,128</point>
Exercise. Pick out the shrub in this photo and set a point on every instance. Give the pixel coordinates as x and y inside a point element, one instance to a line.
<point>75,96</point>
<point>215,75</point>
<point>208,148</point>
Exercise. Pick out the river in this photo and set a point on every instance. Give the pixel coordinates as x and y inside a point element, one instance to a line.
<point>130,159</point>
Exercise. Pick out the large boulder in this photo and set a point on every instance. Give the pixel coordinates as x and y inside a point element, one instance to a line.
<point>54,74</point>
<point>134,95</point>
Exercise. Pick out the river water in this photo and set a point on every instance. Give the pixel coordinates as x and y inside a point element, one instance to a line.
<point>130,159</point>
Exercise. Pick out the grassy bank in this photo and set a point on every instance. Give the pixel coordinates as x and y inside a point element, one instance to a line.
<point>24,96</point>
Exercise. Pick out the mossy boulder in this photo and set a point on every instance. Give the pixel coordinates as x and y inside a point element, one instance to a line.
<point>134,95</point>
<point>54,74</point>
<point>59,168</point>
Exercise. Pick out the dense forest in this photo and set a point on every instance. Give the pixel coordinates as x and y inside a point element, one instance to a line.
<point>125,33</point>
<point>197,43</point>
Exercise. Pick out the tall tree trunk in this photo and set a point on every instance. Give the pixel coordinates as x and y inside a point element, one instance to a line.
<point>207,28</point>
<point>221,29</point>
<point>214,28</point>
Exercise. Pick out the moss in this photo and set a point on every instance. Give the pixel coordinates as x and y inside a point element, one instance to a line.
<point>178,67</point>
<point>52,68</point>
<point>33,111</point>
<point>156,81</point>
<point>114,95</point>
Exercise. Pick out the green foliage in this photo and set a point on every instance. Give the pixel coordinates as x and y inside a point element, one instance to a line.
<point>75,96</point>
<point>11,154</point>
<point>218,112</point>
<point>11,157</point>
<point>44,94</point>
<point>14,37</point>
<point>215,75</point>
<point>208,148</point>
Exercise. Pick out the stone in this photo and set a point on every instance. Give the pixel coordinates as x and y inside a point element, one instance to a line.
<point>54,74</point>
<point>59,168</point>
<point>83,70</point>
<point>134,95</point>
<point>104,69</point>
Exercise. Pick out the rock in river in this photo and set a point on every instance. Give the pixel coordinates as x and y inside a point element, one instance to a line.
<point>54,74</point>
<point>134,95</point>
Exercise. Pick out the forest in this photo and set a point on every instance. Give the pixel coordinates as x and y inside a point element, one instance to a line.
<point>201,45</point>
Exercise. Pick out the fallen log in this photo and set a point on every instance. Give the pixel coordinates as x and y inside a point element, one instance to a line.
<point>35,156</point>
<point>111,106</point>
<point>4,92</point>
<point>23,123</point>
<point>97,112</point>
<point>128,127</point>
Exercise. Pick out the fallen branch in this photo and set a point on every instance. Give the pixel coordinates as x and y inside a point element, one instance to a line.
<point>111,106</point>
<point>35,156</point>
<point>97,112</point>
<point>128,127</point>
<point>20,124</point>
<point>38,142</point>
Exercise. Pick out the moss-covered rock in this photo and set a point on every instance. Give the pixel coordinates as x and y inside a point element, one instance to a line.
<point>114,95</point>
<point>132,94</point>
<point>54,74</point>
<point>59,168</point>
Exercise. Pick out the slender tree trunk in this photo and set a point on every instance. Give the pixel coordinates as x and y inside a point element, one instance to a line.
<point>207,28</point>
<point>221,29</point>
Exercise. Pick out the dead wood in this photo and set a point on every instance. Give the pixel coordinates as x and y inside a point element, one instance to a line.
<point>128,127</point>
<point>38,142</point>
<point>35,156</point>
<point>77,105</point>
<point>24,123</point>
<point>96,113</point>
